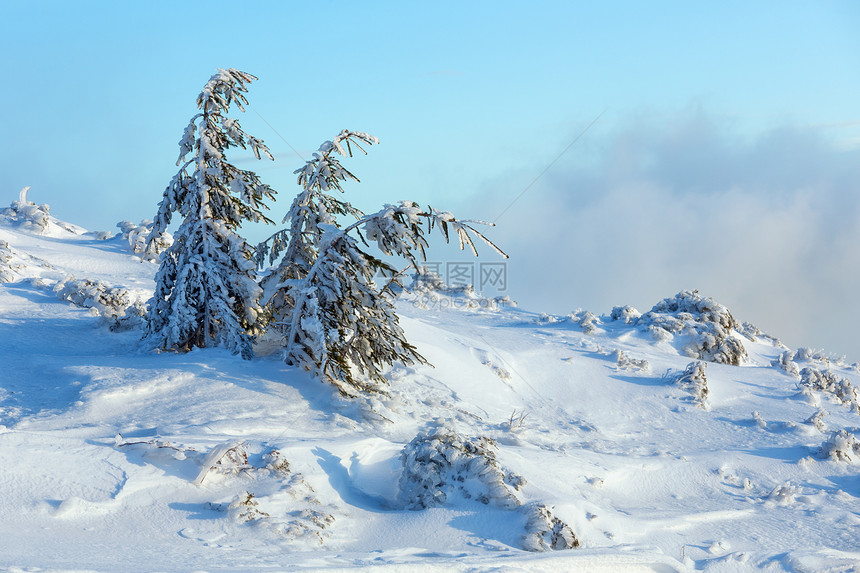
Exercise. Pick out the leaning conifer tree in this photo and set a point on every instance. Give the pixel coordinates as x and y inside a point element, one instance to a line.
<point>336,322</point>
<point>314,207</point>
<point>206,292</point>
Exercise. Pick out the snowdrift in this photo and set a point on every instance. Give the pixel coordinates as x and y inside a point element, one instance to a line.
<point>671,440</point>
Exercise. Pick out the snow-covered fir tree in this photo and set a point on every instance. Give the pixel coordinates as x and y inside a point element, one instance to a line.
<point>314,207</point>
<point>206,292</point>
<point>336,321</point>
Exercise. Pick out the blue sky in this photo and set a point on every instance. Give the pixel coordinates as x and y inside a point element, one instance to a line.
<point>726,158</point>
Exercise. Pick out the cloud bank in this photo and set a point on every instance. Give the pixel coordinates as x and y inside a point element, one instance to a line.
<point>766,224</point>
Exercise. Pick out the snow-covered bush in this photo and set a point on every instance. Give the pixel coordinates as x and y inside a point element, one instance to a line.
<point>293,512</point>
<point>425,280</point>
<point>246,509</point>
<point>626,313</point>
<point>441,464</point>
<point>754,333</point>
<point>545,531</point>
<point>28,215</point>
<point>206,292</point>
<point>786,363</point>
<point>842,446</point>
<point>138,235</point>
<point>586,320</point>
<point>817,420</point>
<point>707,325</point>
<point>285,503</point>
<point>827,381</point>
<point>115,304</point>
<point>428,291</point>
<point>6,270</point>
<point>821,357</point>
<point>624,362</point>
<point>693,380</point>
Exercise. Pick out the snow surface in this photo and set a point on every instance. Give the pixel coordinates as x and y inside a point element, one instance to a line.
<point>117,458</point>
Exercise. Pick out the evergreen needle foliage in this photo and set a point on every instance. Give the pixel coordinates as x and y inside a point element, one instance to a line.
<point>206,291</point>
<point>336,321</point>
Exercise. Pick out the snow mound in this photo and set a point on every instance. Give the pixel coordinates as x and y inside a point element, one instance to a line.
<point>29,216</point>
<point>706,329</point>
<point>439,465</point>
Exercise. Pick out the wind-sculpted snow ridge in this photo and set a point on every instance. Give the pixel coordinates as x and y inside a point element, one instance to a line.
<point>441,465</point>
<point>705,327</point>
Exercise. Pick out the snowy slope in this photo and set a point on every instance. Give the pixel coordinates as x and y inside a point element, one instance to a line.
<point>116,458</point>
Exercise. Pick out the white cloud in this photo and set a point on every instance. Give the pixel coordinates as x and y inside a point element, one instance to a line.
<point>766,224</point>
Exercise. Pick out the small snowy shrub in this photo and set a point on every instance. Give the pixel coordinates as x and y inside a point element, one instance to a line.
<point>827,381</point>
<point>112,303</point>
<point>6,274</point>
<point>817,420</point>
<point>545,531</point>
<point>694,381</point>
<point>293,512</point>
<point>841,447</point>
<point>276,463</point>
<point>819,356</point>
<point>783,494</point>
<point>706,324</point>
<point>246,509</point>
<point>624,362</point>
<point>16,265</point>
<point>28,215</point>
<point>425,280</point>
<point>138,235</point>
<point>786,363</point>
<point>626,313</point>
<point>440,464</point>
<point>752,332</point>
<point>586,320</point>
